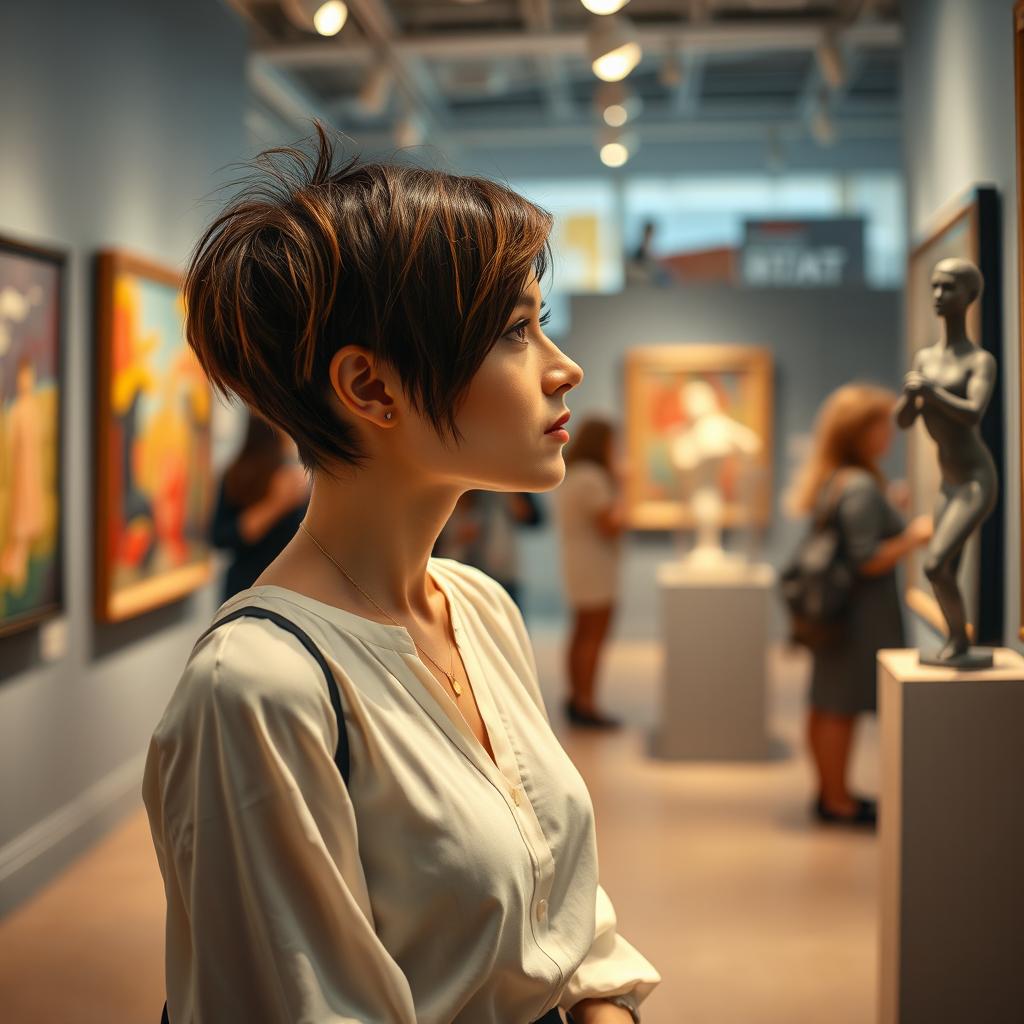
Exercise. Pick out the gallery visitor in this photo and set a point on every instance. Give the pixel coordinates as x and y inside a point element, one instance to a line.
<point>358,805</point>
<point>842,484</point>
<point>263,497</point>
<point>590,523</point>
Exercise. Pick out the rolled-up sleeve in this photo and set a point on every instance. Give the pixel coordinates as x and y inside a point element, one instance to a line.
<point>612,967</point>
<point>268,913</point>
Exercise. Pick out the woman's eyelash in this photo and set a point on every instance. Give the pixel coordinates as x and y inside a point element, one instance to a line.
<point>520,328</point>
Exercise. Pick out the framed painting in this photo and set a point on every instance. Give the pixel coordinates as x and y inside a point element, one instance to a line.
<point>969,229</point>
<point>31,332</point>
<point>153,431</point>
<point>657,379</point>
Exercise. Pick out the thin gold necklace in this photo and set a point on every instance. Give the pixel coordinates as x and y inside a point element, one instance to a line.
<point>448,673</point>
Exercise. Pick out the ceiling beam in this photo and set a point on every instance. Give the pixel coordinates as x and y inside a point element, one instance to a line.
<point>747,36</point>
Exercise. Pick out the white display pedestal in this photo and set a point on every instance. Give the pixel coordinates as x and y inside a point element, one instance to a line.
<point>714,626</point>
<point>952,841</point>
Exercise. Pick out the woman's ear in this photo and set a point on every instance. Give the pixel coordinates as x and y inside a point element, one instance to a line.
<point>364,385</point>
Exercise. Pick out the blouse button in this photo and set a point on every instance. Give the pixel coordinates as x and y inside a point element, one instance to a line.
<point>542,909</point>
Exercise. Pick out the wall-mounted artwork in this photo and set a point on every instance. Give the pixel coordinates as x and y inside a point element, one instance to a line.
<point>658,379</point>
<point>968,230</point>
<point>154,477</point>
<point>31,316</point>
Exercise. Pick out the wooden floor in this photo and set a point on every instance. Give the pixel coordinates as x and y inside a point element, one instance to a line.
<point>751,915</point>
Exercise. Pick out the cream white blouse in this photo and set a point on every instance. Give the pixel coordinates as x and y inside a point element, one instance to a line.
<point>437,887</point>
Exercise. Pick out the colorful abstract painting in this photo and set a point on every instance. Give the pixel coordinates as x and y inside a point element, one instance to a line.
<point>740,378</point>
<point>30,437</point>
<point>154,433</point>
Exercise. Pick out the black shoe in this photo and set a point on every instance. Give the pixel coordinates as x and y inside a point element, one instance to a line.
<point>865,815</point>
<point>589,720</point>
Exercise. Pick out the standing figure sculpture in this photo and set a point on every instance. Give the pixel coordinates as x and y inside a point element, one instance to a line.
<point>699,453</point>
<point>949,386</point>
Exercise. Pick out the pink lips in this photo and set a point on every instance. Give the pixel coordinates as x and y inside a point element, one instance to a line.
<point>556,429</point>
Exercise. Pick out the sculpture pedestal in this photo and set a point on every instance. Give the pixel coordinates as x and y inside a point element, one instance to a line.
<point>952,841</point>
<point>714,627</point>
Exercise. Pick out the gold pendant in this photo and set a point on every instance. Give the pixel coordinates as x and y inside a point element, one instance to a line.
<point>455,685</point>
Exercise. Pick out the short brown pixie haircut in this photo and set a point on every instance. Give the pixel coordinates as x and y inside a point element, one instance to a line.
<point>421,267</point>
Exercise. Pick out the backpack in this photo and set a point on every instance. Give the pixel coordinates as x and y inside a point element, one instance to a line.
<point>817,583</point>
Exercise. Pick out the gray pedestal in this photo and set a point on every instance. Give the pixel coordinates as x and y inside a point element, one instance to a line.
<point>952,841</point>
<point>715,636</point>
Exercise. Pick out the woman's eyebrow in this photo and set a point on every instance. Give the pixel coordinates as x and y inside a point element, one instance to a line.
<point>526,299</point>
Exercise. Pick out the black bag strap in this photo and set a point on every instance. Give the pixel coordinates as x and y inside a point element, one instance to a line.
<point>341,755</point>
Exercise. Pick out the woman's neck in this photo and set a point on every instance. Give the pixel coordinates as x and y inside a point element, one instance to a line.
<point>381,528</point>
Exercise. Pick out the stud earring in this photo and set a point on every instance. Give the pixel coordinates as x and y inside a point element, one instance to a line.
<point>388,415</point>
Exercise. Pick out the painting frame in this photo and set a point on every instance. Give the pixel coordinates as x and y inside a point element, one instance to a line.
<point>968,228</point>
<point>752,361</point>
<point>113,603</point>
<point>58,259</point>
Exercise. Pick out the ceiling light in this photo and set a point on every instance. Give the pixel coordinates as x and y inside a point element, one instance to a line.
<point>614,48</point>
<point>830,60</point>
<point>616,115</point>
<point>604,6</point>
<point>616,103</point>
<point>315,15</point>
<point>614,154</point>
<point>616,147</point>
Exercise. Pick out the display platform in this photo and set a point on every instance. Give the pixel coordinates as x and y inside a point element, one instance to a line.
<point>714,627</point>
<point>952,841</point>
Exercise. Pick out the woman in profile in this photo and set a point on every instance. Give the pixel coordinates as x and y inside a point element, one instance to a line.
<point>590,522</point>
<point>263,497</point>
<point>360,810</point>
<point>842,482</point>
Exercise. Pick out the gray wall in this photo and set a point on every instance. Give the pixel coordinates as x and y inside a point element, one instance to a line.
<point>116,117</point>
<point>959,132</point>
<point>819,340</point>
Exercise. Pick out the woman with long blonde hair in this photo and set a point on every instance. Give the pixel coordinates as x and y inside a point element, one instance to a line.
<point>842,483</point>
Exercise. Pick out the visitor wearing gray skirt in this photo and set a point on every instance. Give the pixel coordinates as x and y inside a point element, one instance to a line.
<point>842,482</point>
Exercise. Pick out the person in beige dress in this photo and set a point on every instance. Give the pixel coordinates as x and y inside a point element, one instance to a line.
<point>360,810</point>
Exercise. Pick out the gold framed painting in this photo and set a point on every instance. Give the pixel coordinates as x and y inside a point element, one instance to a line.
<point>31,389</point>
<point>741,378</point>
<point>967,229</point>
<point>154,476</point>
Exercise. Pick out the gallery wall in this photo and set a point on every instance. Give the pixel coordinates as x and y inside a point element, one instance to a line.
<point>958,133</point>
<point>818,339</point>
<point>118,117</point>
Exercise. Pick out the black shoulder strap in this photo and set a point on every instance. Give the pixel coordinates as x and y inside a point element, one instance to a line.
<point>341,757</point>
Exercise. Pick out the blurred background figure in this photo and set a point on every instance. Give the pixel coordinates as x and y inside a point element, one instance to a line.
<point>483,531</point>
<point>590,521</point>
<point>642,267</point>
<point>263,497</point>
<point>842,483</point>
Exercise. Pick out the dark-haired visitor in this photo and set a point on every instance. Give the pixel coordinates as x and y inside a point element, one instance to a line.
<point>388,319</point>
<point>262,499</point>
